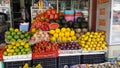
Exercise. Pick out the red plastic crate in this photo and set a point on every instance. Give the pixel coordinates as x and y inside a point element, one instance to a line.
<point>2,48</point>
<point>45,55</point>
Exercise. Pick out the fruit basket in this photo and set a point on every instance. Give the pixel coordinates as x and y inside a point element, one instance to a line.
<point>17,64</point>
<point>17,58</point>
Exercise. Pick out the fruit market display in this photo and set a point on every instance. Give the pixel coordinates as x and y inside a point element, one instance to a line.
<point>45,47</point>
<point>17,48</point>
<point>79,32</point>
<point>43,20</point>
<point>69,46</point>
<point>16,35</point>
<point>62,35</point>
<point>93,41</point>
<point>40,36</point>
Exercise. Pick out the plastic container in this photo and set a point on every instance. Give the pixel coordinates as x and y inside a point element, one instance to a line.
<point>78,13</point>
<point>24,26</point>
<point>69,17</point>
<point>69,12</point>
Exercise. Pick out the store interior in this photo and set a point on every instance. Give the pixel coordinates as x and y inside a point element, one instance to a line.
<point>59,34</point>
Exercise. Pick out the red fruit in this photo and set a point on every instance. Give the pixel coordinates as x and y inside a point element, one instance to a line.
<point>56,16</point>
<point>53,11</point>
<point>51,16</point>
<point>48,20</point>
<point>48,12</point>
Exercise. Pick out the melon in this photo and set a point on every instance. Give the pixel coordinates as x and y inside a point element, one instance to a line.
<point>53,25</point>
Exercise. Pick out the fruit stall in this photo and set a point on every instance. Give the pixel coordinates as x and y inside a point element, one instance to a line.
<point>55,40</point>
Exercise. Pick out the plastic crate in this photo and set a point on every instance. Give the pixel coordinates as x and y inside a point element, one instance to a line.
<point>46,63</point>
<point>16,64</point>
<point>68,60</point>
<point>93,58</point>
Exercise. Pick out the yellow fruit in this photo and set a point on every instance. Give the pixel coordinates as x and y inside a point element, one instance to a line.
<point>67,34</point>
<point>14,47</point>
<point>84,49</point>
<point>52,31</point>
<point>72,33</point>
<point>10,46</point>
<point>89,49</point>
<point>63,29</point>
<point>33,30</point>
<point>27,45</point>
<point>74,38</point>
<point>17,44</point>
<point>86,38</point>
<point>86,46</point>
<point>53,39</point>
<point>98,45</point>
<point>26,65</point>
<point>55,35</point>
<point>69,39</point>
<point>16,30</point>
<point>57,30</point>
<point>8,50</point>
<point>68,29</point>
<point>88,33</point>
<point>64,39</point>
<point>61,34</point>
<point>22,43</point>
<point>9,54</point>
<point>12,50</point>
<point>92,48</point>
<point>97,48</point>
<point>13,43</point>
<point>59,39</point>
<point>89,39</point>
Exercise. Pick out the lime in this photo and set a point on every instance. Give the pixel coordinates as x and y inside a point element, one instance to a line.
<point>19,53</point>
<point>10,54</point>
<point>9,37</point>
<point>15,53</point>
<point>19,33</point>
<point>17,50</point>
<point>7,33</point>
<point>13,33</point>
<point>22,50</point>
<point>11,29</point>
<point>16,37</point>
<point>20,47</point>
<point>23,53</point>
<point>5,53</point>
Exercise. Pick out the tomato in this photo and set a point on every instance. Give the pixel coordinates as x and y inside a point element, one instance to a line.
<point>48,20</point>
<point>51,16</point>
<point>48,12</point>
<point>53,11</point>
<point>56,16</point>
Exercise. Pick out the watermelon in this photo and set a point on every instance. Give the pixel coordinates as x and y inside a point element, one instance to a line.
<point>53,25</point>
